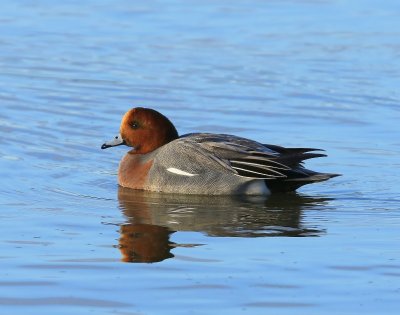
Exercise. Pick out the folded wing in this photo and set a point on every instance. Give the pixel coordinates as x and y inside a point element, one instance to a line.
<point>282,168</point>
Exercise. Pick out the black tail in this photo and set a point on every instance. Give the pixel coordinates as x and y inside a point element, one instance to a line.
<point>295,179</point>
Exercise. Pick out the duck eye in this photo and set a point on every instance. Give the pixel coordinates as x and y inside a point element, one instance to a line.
<point>135,125</point>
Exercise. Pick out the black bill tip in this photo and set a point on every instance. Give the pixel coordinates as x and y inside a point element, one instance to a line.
<point>105,146</point>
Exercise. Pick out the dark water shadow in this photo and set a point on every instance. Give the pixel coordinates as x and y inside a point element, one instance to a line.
<point>151,218</point>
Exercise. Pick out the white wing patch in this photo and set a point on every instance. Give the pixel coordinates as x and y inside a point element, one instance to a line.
<point>179,172</point>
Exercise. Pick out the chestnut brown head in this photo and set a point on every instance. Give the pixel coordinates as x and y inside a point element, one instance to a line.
<point>145,130</point>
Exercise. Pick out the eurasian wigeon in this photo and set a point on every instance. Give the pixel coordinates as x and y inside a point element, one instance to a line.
<point>205,163</point>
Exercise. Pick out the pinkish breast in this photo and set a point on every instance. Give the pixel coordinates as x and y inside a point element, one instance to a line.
<point>133,171</point>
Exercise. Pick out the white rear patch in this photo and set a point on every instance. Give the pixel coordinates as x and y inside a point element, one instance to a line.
<point>179,172</point>
<point>257,187</point>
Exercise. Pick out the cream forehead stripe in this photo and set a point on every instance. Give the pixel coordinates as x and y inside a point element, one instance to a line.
<point>179,172</point>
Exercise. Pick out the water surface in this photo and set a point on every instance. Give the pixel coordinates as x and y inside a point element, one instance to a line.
<point>296,73</point>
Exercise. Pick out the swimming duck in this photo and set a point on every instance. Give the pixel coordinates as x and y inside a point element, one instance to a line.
<point>205,163</point>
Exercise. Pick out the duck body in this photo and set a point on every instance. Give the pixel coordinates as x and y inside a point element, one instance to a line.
<point>205,163</point>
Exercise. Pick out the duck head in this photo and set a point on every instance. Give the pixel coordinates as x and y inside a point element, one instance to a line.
<point>144,130</point>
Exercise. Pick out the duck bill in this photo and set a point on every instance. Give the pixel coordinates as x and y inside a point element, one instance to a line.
<point>113,143</point>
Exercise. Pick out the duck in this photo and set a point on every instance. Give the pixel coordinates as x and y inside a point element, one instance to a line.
<point>205,163</point>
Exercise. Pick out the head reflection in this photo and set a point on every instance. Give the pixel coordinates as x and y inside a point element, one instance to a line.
<point>151,218</point>
<point>145,243</point>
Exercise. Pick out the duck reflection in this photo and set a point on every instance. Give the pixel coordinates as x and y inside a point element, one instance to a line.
<point>153,217</point>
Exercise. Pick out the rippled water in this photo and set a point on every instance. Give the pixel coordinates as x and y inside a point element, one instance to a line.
<point>297,73</point>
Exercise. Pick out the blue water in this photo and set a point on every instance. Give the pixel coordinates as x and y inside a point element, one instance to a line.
<point>321,73</point>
